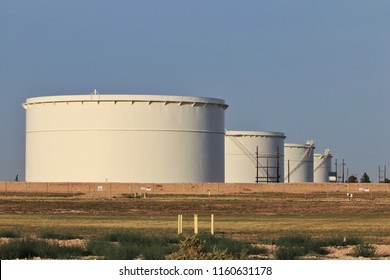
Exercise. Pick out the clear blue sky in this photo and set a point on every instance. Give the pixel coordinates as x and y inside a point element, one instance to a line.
<point>312,69</point>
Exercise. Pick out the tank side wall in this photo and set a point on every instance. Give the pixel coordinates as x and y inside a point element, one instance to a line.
<point>240,158</point>
<point>322,167</point>
<point>124,142</point>
<point>299,160</point>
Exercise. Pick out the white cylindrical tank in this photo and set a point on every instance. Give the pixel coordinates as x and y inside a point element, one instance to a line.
<point>124,138</point>
<point>254,156</point>
<point>298,162</point>
<point>322,166</point>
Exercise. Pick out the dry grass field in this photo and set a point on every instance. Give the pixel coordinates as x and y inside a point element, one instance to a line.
<point>259,218</point>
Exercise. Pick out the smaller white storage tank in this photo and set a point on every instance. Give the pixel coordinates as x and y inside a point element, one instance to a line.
<point>322,166</point>
<point>298,162</point>
<point>254,156</point>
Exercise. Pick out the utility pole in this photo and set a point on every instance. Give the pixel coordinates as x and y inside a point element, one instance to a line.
<point>343,164</point>
<point>382,172</point>
<point>337,178</point>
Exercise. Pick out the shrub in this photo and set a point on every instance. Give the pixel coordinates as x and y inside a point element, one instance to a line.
<point>322,251</point>
<point>289,252</point>
<point>192,248</point>
<point>364,250</point>
<point>294,246</point>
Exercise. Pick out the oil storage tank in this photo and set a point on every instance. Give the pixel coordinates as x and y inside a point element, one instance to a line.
<point>254,156</point>
<point>124,138</point>
<point>322,166</point>
<point>298,162</point>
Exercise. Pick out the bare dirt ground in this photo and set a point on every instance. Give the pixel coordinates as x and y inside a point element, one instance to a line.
<point>253,204</point>
<point>279,213</point>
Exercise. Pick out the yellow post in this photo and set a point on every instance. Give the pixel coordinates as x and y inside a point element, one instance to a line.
<point>212,224</point>
<point>196,224</point>
<point>179,224</point>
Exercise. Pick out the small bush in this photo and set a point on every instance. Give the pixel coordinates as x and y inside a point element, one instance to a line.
<point>364,250</point>
<point>293,247</point>
<point>322,251</point>
<point>192,248</point>
<point>289,252</point>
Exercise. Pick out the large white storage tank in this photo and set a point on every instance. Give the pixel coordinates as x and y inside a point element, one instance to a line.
<point>254,156</point>
<point>322,166</point>
<point>124,138</point>
<point>298,162</point>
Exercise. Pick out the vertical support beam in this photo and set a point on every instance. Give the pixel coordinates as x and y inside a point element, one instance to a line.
<point>257,164</point>
<point>277,165</point>
<point>267,171</point>
<point>288,171</point>
<point>196,224</point>
<point>212,224</point>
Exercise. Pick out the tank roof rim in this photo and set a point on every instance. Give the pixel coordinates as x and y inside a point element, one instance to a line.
<point>253,133</point>
<point>298,145</point>
<point>124,97</point>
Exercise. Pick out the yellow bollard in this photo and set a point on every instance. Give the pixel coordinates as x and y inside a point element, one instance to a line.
<point>179,224</point>
<point>212,224</point>
<point>196,224</point>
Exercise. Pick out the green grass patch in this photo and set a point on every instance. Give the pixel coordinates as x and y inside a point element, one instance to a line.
<point>240,249</point>
<point>340,240</point>
<point>60,236</point>
<point>292,247</point>
<point>29,248</point>
<point>121,245</point>
<point>124,245</point>
<point>9,234</point>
